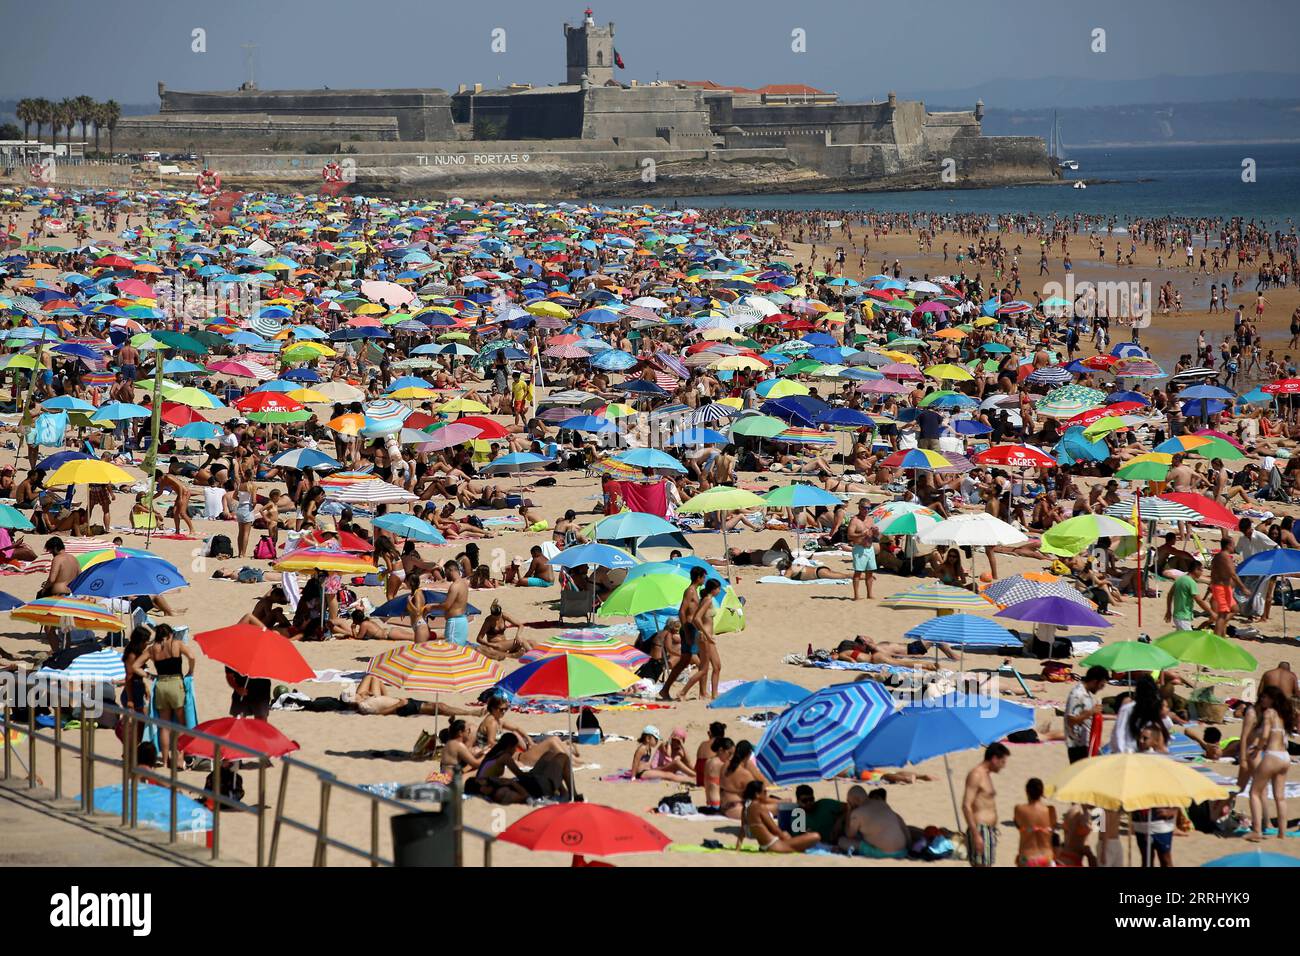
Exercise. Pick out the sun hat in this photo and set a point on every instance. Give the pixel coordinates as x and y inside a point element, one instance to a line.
<point>652,730</point>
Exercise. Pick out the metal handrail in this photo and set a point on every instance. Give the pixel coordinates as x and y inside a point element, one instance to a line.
<point>133,774</point>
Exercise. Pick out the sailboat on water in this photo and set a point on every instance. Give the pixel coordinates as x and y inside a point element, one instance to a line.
<point>1057,150</point>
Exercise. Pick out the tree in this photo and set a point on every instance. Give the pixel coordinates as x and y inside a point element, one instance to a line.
<point>26,113</point>
<point>84,107</point>
<point>42,113</point>
<point>97,118</point>
<point>112,113</point>
<point>9,131</point>
<point>66,113</point>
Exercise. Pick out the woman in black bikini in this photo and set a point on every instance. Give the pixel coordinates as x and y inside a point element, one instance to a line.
<point>491,635</point>
<point>549,778</point>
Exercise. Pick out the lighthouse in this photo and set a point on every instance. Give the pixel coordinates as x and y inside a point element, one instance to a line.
<point>589,51</point>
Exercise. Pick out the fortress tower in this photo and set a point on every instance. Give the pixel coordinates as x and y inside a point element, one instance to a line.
<point>589,49</point>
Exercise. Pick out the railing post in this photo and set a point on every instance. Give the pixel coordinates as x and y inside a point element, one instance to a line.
<point>172,824</point>
<point>216,800</point>
<point>458,817</point>
<point>8,744</point>
<point>323,827</point>
<point>31,746</point>
<point>262,764</point>
<point>374,833</point>
<point>128,758</point>
<point>88,758</point>
<point>279,814</point>
<point>58,750</point>
<point>487,853</point>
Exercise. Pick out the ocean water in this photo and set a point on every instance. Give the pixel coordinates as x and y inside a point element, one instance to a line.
<point>1137,181</point>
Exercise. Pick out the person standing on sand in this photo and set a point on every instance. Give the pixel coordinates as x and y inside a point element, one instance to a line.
<point>710,661</point>
<point>979,807</point>
<point>454,604</point>
<point>864,549</point>
<point>690,634</point>
<point>1082,708</point>
<point>1223,579</point>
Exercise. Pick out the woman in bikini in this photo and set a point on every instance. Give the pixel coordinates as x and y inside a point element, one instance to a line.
<point>651,762</point>
<point>1077,826</point>
<point>1272,759</point>
<point>721,750</point>
<point>549,777</point>
<point>456,751</point>
<point>415,609</point>
<point>757,822</point>
<point>801,569</point>
<point>372,629</point>
<point>1036,821</point>
<point>493,724</point>
<point>739,772</point>
<point>492,638</point>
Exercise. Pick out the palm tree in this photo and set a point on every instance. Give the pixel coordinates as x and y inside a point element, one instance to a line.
<point>112,113</point>
<point>67,110</point>
<point>85,106</point>
<point>97,118</point>
<point>42,113</point>
<point>26,113</point>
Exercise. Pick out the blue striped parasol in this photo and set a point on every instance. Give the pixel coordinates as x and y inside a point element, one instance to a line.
<point>98,666</point>
<point>815,738</point>
<point>965,629</point>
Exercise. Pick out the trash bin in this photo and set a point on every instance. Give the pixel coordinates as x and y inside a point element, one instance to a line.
<point>424,839</point>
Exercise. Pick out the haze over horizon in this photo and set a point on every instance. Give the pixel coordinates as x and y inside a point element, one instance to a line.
<point>1161,49</point>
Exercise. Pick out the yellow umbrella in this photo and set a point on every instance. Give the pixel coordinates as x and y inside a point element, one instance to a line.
<point>414,392</point>
<point>307,351</point>
<point>462,405</point>
<point>985,322</point>
<point>308,396</point>
<point>734,362</point>
<point>718,335</point>
<point>952,373</point>
<point>1132,782</point>
<point>733,402</point>
<point>551,309</point>
<point>898,356</point>
<point>88,471</point>
<point>783,387</point>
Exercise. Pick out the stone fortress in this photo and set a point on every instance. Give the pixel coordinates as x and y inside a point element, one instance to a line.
<point>590,135</point>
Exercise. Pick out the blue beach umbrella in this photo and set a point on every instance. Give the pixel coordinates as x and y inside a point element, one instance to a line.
<point>694,437</point>
<point>965,629</point>
<point>631,524</point>
<point>601,555</point>
<point>1255,859</point>
<point>198,431</point>
<point>397,606</point>
<point>649,458</point>
<point>815,739</point>
<point>514,463</point>
<point>762,693</point>
<point>937,727</point>
<point>300,458</point>
<point>154,807</point>
<point>409,526</point>
<point>127,577</point>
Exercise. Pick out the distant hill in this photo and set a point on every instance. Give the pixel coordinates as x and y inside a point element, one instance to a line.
<point>1241,121</point>
<point>1065,91</point>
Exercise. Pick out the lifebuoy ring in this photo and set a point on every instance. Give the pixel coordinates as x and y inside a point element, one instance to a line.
<point>208,182</point>
<point>37,172</point>
<point>332,173</point>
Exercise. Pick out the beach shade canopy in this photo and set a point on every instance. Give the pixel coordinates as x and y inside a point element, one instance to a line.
<point>651,458</point>
<point>601,555</point>
<point>1148,467</point>
<point>816,737</point>
<point>250,739</point>
<point>62,611</point>
<point>435,667</point>
<point>13,519</point>
<point>8,602</point>
<point>939,726</point>
<point>127,577</point>
<point>964,629</point>
<point>324,559</point>
<point>592,643</point>
<point>722,498</point>
<point>979,529</point>
<point>651,592</point>
<point>410,527</point>
<point>588,829</point>
<point>369,492</point>
<point>918,459</point>
<point>153,807</point>
<point>96,667</point>
<point>256,652</point>
<point>1081,532</point>
<point>903,517</point>
<point>1271,563</point>
<point>1255,859</point>
<point>800,496</point>
<point>1207,649</point>
<point>1005,592</point>
<point>1060,611</point>
<point>1132,782</point>
<point>631,524</point>
<point>761,693</point>
<point>570,676</point>
<point>88,471</point>
<point>1130,656</point>
<point>936,597</point>
<point>1015,456</point>
<point>1153,509</point>
<point>515,463</point>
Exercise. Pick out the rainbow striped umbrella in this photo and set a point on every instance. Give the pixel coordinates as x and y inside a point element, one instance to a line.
<point>936,597</point>
<point>593,644</point>
<point>324,559</point>
<point>569,676</point>
<point>920,458</point>
<point>435,667</point>
<point>57,611</point>
<point>805,436</point>
<point>383,417</point>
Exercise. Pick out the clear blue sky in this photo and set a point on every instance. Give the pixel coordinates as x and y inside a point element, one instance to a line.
<point>120,49</point>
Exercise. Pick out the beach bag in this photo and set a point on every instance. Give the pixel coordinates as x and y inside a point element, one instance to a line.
<point>232,786</point>
<point>219,546</point>
<point>265,550</point>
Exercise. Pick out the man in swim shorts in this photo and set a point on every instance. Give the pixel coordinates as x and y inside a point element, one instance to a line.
<point>455,603</point>
<point>864,548</point>
<point>1223,578</point>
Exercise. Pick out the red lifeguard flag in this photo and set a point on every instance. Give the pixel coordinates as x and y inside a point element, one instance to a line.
<point>618,60</point>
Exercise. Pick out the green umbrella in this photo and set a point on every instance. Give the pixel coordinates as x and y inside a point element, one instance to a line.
<point>1143,471</point>
<point>181,342</point>
<point>799,367</point>
<point>1208,650</point>
<point>1131,656</point>
<point>280,418</point>
<point>721,498</point>
<point>11,517</point>
<point>759,426</point>
<point>1218,448</point>
<point>1079,533</point>
<point>651,592</point>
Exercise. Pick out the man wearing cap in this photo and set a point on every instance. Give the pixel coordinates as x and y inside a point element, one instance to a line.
<point>1082,707</point>
<point>864,548</point>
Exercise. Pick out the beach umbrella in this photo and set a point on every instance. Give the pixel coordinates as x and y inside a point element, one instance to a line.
<point>651,592</point>
<point>435,667</point>
<point>935,596</point>
<point>152,805</point>
<point>919,459</point>
<point>1059,611</point>
<point>88,471</point>
<point>1207,649</point>
<point>1015,456</point>
<point>965,630</point>
<point>758,426</point>
<point>410,527</point>
<point>651,458</point>
<point>1255,858</point>
<point>631,524</point>
<point>1132,782</point>
<point>127,577</point>
<point>8,602</point>
<point>397,607</point>
<point>721,498</point>
<point>601,555</point>
<point>370,493</point>
<point>1210,511</point>
<point>250,738</point>
<point>815,738</point>
<point>198,431</point>
<point>13,519</point>
<point>801,496</point>
<point>938,727</point>
<point>974,530</point>
<point>1077,534</point>
<point>592,644</point>
<point>1149,467</point>
<point>1153,508</point>
<point>96,667</point>
<point>761,693</point>
<point>302,458</point>
<point>324,559</point>
<point>1032,584</point>
<point>256,652</point>
<point>588,829</point>
<point>1130,656</point>
<point>67,612</point>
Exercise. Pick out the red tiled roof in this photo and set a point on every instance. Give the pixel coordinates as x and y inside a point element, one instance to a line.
<point>775,89</point>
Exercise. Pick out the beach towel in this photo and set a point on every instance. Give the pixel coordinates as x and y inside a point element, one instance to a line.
<point>778,579</point>
<point>289,583</point>
<point>191,712</point>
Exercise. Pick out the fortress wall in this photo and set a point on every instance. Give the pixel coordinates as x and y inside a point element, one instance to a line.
<point>848,122</point>
<point>643,111</point>
<point>1002,158</point>
<point>540,115</point>
<point>909,123</point>
<point>421,114</point>
<point>191,132</point>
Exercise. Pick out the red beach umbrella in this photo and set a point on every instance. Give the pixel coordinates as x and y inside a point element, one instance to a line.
<point>586,828</point>
<point>256,652</point>
<point>252,732</point>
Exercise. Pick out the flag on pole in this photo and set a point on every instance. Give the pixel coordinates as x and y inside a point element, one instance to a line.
<point>618,60</point>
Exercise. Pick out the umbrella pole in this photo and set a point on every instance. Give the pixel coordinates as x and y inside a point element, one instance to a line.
<point>1140,586</point>
<point>952,795</point>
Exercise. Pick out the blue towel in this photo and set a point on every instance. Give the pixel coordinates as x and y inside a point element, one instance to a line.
<point>191,712</point>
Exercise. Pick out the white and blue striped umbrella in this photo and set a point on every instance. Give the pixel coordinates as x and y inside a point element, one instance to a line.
<point>815,738</point>
<point>966,629</point>
<point>1050,375</point>
<point>713,412</point>
<point>98,666</point>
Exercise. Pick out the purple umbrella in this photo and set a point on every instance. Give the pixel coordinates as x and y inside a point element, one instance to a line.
<point>1054,610</point>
